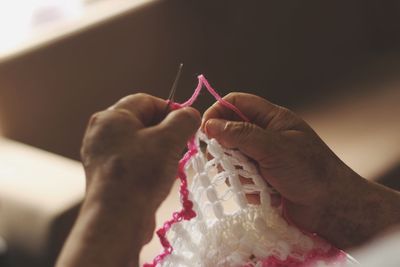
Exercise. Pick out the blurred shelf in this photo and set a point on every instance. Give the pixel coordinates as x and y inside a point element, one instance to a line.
<point>36,26</point>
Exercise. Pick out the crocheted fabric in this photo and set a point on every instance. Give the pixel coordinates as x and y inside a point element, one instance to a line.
<point>218,226</point>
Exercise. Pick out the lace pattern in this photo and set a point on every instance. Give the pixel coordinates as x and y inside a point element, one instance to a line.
<point>228,230</point>
<point>217,225</point>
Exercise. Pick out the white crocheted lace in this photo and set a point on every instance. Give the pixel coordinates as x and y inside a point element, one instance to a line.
<point>228,230</point>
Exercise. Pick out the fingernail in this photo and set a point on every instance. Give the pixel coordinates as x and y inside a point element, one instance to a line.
<point>214,127</point>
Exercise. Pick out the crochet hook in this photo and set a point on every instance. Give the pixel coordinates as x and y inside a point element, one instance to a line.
<point>171,96</point>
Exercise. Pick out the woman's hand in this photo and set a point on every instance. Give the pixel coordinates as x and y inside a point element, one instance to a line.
<point>321,193</point>
<point>130,153</point>
<point>131,148</point>
<point>290,155</point>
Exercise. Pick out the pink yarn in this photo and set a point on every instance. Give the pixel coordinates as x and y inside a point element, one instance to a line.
<point>203,81</point>
<point>187,212</point>
<point>311,258</point>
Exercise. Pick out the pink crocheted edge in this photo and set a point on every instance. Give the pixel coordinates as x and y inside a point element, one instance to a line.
<point>187,212</point>
<point>333,255</point>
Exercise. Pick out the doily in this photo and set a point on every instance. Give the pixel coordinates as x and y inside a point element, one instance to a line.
<point>218,226</point>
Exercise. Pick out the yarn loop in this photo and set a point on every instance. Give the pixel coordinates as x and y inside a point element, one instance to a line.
<point>217,226</point>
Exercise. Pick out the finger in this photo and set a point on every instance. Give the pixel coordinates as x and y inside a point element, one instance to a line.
<point>257,109</point>
<point>178,126</point>
<point>146,108</point>
<point>249,138</point>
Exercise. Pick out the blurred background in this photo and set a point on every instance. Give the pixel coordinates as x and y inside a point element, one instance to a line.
<point>337,63</point>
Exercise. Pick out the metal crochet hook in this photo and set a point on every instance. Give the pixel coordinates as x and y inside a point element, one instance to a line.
<point>171,96</point>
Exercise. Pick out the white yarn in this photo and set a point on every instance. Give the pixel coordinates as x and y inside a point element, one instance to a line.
<point>228,231</point>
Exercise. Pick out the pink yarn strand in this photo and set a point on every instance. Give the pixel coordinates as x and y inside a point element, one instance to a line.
<point>202,82</point>
<point>194,96</point>
<point>223,102</point>
<point>187,212</point>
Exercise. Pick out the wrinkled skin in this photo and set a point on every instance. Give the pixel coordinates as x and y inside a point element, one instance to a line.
<point>322,194</point>
<point>130,154</point>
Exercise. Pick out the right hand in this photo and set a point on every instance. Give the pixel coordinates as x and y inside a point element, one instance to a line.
<point>290,156</point>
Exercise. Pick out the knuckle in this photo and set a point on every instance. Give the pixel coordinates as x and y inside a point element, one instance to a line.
<point>282,113</point>
<point>142,95</point>
<point>285,111</point>
<point>236,95</point>
<point>288,118</point>
<point>139,96</point>
<point>232,97</point>
<point>241,130</point>
<point>113,119</point>
<point>104,129</point>
<point>242,99</point>
<point>93,118</point>
<point>127,100</point>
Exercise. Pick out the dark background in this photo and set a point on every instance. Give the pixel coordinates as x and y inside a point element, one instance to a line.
<point>292,52</point>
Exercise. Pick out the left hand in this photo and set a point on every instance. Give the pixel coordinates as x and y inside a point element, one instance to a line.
<point>131,152</point>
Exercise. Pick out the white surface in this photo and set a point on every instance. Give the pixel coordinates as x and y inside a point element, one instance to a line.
<point>42,180</point>
<point>20,18</point>
<point>35,188</point>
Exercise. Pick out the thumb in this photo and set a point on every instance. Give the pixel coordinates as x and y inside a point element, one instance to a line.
<point>249,138</point>
<point>179,125</point>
